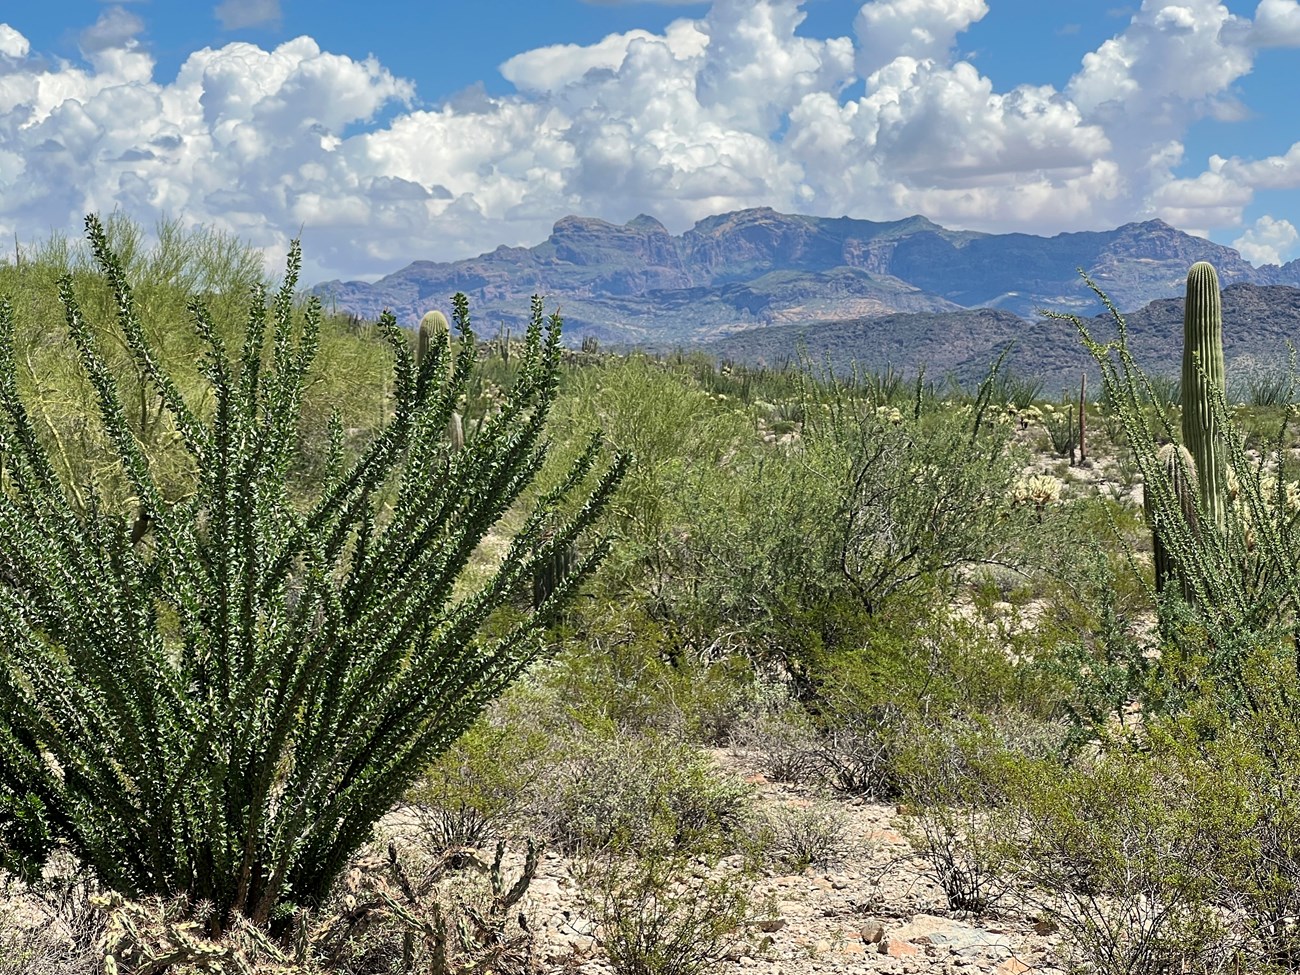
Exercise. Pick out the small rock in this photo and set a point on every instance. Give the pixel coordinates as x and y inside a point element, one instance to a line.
<point>894,948</point>
<point>873,932</point>
<point>771,924</point>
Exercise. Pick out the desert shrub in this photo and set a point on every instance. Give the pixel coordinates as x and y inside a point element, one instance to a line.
<point>804,833</point>
<point>624,669</point>
<point>49,926</point>
<point>608,791</point>
<point>780,739</point>
<point>1121,853</point>
<point>655,916</point>
<point>479,788</point>
<point>588,752</point>
<point>953,782</point>
<point>926,496</point>
<point>727,541</point>
<point>1090,650</point>
<point>220,696</point>
<point>917,669</point>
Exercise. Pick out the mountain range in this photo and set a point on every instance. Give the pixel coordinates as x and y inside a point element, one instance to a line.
<point>753,283</point>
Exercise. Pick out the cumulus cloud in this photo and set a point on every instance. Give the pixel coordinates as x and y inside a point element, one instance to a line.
<point>730,109</point>
<point>236,14</point>
<point>12,43</point>
<point>1277,24</point>
<point>921,29</point>
<point>1269,241</point>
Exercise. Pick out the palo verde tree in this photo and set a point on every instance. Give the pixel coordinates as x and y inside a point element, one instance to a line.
<point>218,696</point>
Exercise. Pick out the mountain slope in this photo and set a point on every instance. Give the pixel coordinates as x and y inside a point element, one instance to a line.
<point>1257,323</point>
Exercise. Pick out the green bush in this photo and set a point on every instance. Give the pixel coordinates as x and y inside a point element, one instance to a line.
<point>655,917</point>
<point>953,781</point>
<point>926,496</point>
<point>220,696</point>
<point>727,542</point>
<point>611,792</point>
<point>628,671</point>
<point>805,833</point>
<point>919,668</point>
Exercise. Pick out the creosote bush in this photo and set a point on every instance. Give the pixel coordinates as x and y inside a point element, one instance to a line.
<point>217,692</point>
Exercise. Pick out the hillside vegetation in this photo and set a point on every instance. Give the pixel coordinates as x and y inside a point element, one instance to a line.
<point>876,591</point>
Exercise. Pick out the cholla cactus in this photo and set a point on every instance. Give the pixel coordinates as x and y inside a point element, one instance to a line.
<point>1039,490</point>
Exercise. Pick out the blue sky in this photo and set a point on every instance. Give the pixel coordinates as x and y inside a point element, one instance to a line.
<point>390,132</point>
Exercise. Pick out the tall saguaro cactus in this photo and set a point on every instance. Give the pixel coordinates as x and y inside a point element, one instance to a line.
<point>1202,381</point>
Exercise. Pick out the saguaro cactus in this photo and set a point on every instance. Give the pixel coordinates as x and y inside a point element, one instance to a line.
<point>434,331</point>
<point>1202,381</point>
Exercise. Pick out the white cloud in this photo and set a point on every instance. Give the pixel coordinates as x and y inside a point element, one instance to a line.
<point>1175,62</point>
<point>732,109</point>
<point>236,14</point>
<point>923,29</point>
<point>1277,24</point>
<point>116,27</point>
<point>1269,241</point>
<point>12,43</point>
<point>548,69</point>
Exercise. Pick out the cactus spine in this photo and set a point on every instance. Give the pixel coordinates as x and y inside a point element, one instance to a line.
<point>1202,381</point>
<point>434,333</point>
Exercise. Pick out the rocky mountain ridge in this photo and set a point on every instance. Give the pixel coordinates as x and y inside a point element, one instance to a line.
<point>638,283</point>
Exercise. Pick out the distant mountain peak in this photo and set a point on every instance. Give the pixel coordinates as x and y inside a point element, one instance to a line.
<point>643,221</point>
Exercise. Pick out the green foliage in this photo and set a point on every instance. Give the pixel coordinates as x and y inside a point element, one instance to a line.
<point>805,833</point>
<point>958,824</point>
<point>655,919</point>
<point>927,496</point>
<point>629,795</point>
<point>1241,572</point>
<point>918,669</point>
<point>590,758</point>
<point>1120,854</point>
<point>222,697</point>
<point>629,672</point>
<point>1061,429</point>
<point>726,541</point>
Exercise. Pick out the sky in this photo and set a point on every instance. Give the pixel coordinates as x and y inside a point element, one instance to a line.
<point>385,132</point>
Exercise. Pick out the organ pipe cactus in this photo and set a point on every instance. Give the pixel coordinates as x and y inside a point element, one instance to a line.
<point>1202,381</point>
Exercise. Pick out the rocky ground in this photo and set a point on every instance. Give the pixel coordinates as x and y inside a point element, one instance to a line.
<point>873,910</point>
